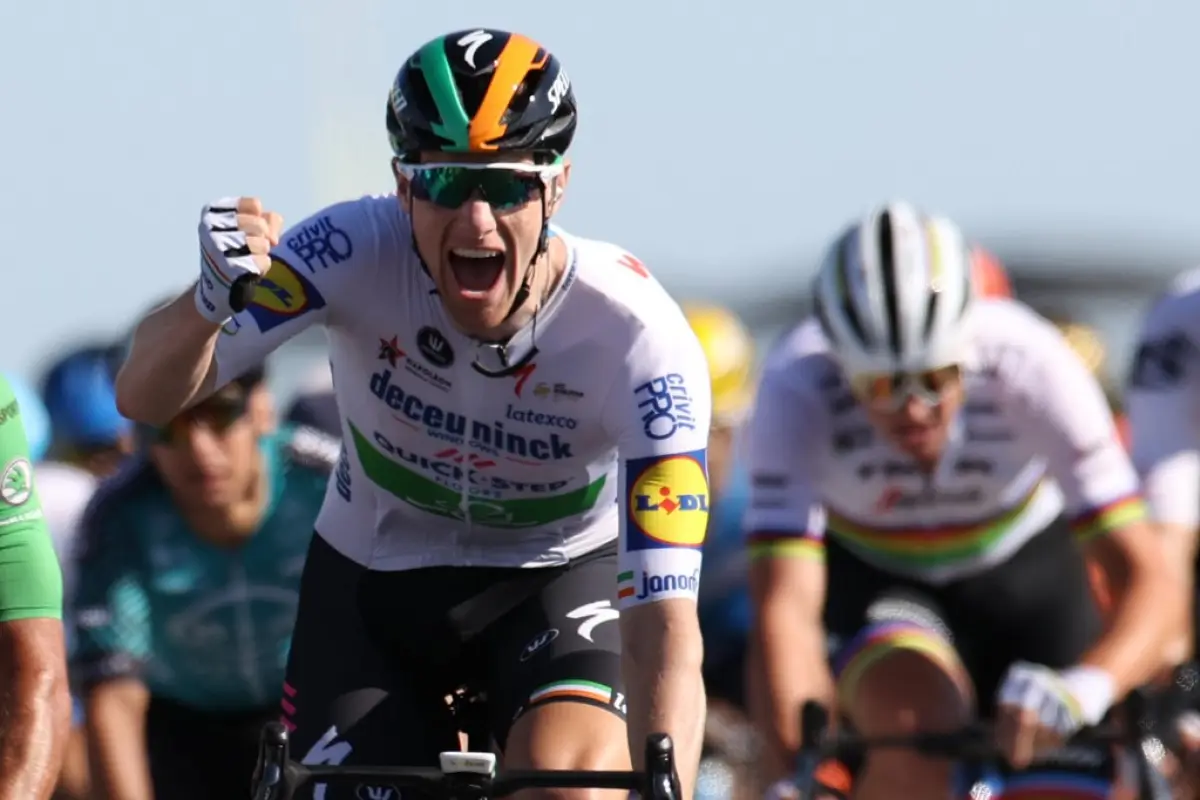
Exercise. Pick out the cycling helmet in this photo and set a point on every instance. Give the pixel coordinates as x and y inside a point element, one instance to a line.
<point>988,274</point>
<point>34,418</point>
<point>729,351</point>
<point>481,90</point>
<point>79,394</point>
<point>893,291</point>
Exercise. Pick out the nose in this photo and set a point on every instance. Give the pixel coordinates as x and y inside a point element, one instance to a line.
<point>476,214</point>
<point>915,410</point>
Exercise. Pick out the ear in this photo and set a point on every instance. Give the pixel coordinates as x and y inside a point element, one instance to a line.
<point>558,188</point>
<point>403,187</point>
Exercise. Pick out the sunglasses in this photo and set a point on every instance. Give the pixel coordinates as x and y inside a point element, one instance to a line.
<point>216,415</point>
<point>890,391</point>
<point>504,186</point>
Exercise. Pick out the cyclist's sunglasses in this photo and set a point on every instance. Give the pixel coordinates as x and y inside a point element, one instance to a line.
<point>217,414</point>
<point>504,186</point>
<point>890,391</point>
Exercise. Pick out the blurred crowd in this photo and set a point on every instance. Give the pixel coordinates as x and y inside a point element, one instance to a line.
<point>82,444</point>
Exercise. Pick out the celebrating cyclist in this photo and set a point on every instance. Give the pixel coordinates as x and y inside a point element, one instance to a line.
<point>523,496</point>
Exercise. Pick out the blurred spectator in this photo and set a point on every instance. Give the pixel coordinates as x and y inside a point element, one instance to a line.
<point>33,415</point>
<point>88,431</point>
<point>315,404</point>
<point>187,582</point>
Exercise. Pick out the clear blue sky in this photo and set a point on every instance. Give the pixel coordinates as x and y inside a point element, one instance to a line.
<point>716,137</point>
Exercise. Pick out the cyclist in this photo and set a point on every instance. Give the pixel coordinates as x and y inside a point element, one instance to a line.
<point>188,576</point>
<point>34,416</point>
<point>35,704</point>
<point>525,416</point>
<point>916,454</point>
<point>88,430</point>
<point>1161,406</point>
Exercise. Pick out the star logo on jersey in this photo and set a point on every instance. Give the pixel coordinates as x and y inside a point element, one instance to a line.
<point>389,350</point>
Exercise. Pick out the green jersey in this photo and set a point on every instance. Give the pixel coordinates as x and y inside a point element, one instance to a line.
<point>30,578</point>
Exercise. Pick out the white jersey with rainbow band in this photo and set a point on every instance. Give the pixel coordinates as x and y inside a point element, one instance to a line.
<point>601,434</point>
<point>1035,440</point>
<point>1163,404</point>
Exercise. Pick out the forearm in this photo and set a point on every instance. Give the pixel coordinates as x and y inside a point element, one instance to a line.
<point>791,667</point>
<point>1131,650</point>
<point>1179,545</point>
<point>665,693</point>
<point>169,361</point>
<point>36,718</point>
<point>116,734</point>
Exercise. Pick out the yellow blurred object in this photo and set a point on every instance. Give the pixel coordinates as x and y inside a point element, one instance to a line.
<point>1086,343</point>
<point>730,353</point>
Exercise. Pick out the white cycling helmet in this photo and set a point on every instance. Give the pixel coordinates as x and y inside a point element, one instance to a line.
<point>893,292</point>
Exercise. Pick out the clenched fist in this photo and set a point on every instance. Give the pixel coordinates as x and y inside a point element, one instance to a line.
<point>236,237</point>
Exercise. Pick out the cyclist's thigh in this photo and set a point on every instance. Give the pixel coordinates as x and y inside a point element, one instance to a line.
<point>873,617</point>
<point>562,644</point>
<point>341,701</point>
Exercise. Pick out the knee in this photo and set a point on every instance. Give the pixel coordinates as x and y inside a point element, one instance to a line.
<point>568,736</point>
<point>905,692</point>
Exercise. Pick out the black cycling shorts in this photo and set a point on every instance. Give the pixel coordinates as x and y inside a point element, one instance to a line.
<point>374,654</point>
<point>198,755</point>
<point>1037,606</point>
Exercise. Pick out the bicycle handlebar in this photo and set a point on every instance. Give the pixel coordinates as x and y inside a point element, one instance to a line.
<point>974,743</point>
<point>277,777</point>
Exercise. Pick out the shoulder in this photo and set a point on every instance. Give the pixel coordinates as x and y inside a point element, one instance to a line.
<point>1009,339</point>
<point>339,233</point>
<point>115,499</point>
<point>620,286</point>
<point>801,361</point>
<point>305,448</point>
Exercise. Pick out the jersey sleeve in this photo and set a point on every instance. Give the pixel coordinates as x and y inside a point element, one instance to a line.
<point>30,578</point>
<point>659,410</point>
<point>1074,428</point>
<point>310,269</point>
<point>785,516</point>
<point>110,609</point>
<point>1163,410</point>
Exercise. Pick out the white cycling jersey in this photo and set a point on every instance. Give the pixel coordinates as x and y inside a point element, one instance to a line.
<point>601,432</point>
<point>1034,439</point>
<point>1163,404</point>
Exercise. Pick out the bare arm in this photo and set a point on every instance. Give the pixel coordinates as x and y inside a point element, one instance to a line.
<point>661,656</point>
<point>788,637</point>
<point>170,363</point>
<point>1179,546</point>
<point>1134,562</point>
<point>116,733</point>
<point>35,707</point>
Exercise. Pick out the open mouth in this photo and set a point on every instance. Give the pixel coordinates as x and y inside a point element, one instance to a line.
<point>476,271</point>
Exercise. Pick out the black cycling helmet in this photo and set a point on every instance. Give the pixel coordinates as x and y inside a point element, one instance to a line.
<point>481,91</point>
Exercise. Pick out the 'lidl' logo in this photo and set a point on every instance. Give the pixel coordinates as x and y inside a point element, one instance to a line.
<point>668,501</point>
<point>281,295</point>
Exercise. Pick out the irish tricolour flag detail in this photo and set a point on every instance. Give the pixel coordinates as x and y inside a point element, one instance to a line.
<point>573,688</point>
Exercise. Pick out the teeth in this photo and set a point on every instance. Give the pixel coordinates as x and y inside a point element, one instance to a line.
<point>468,253</point>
